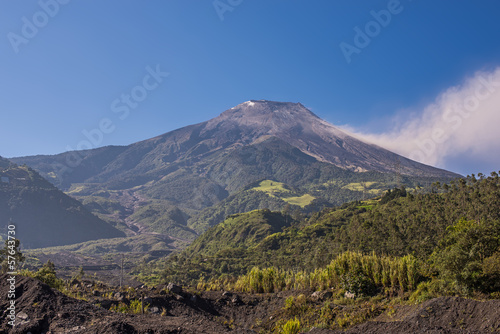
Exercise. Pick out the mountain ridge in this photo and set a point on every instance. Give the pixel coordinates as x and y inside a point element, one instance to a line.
<point>43,215</point>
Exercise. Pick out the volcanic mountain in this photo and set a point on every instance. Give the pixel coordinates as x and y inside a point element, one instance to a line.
<point>167,180</point>
<point>254,121</point>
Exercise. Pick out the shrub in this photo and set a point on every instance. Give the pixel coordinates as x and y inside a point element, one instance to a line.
<point>467,253</point>
<point>296,306</point>
<point>291,327</point>
<point>431,289</point>
<point>358,283</point>
<point>491,273</point>
<point>134,307</point>
<point>46,274</point>
<point>353,272</point>
<point>262,280</point>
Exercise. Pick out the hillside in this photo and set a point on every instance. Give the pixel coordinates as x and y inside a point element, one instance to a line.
<point>402,263</point>
<point>398,224</point>
<point>176,177</point>
<point>43,215</point>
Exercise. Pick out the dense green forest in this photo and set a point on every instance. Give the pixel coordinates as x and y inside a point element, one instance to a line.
<point>453,232</point>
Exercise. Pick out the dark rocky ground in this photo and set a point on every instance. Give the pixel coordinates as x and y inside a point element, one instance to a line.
<point>445,315</point>
<point>41,309</point>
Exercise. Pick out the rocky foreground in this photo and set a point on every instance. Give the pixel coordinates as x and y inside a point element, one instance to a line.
<point>40,309</point>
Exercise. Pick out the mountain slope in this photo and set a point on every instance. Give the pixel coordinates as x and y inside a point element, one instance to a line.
<point>298,126</point>
<point>399,223</point>
<point>243,125</point>
<point>200,165</point>
<point>43,215</point>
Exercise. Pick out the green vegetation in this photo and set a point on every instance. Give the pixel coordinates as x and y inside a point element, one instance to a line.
<point>242,201</point>
<point>369,187</point>
<point>447,241</point>
<point>301,201</point>
<point>358,274</point>
<point>46,274</point>
<point>291,327</point>
<point>405,247</point>
<point>469,255</point>
<point>134,307</point>
<point>280,190</point>
<point>272,188</point>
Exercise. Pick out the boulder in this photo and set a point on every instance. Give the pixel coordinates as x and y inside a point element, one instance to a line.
<point>174,288</point>
<point>321,295</point>
<point>23,316</point>
<point>236,300</point>
<point>155,310</point>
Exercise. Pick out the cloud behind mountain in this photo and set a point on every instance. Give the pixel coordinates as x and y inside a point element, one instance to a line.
<point>462,124</point>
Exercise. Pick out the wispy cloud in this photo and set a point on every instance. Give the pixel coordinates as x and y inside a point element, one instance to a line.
<point>463,122</point>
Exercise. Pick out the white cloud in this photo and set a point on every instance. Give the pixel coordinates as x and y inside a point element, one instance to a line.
<point>463,122</point>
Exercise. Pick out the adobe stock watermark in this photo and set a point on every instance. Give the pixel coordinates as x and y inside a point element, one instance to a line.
<point>223,6</point>
<point>31,26</point>
<point>364,36</point>
<point>122,107</point>
<point>455,117</point>
<point>12,244</point>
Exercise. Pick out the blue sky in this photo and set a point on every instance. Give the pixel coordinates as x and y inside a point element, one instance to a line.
<point>69,74</point>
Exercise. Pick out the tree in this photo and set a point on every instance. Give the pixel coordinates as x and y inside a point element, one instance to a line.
<point>80,274</point>
<point>461,255</point>
<point>47,274</point>
<point>286,212</point>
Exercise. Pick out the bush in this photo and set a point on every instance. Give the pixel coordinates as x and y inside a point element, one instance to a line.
<point>491,273</point>
<point>46,274</point>
<point>291,327</point>
<point>467,254</point>
<point>432,289</point>
<point>296,306</point>
<point>133,308</point>
<point>262,280</point>
<point>358,283</point>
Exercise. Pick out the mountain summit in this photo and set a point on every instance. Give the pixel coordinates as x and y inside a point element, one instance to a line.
<point>257,120</point>
<point>271,117</point>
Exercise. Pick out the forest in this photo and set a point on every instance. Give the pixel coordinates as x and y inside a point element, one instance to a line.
<point>449,239</point>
